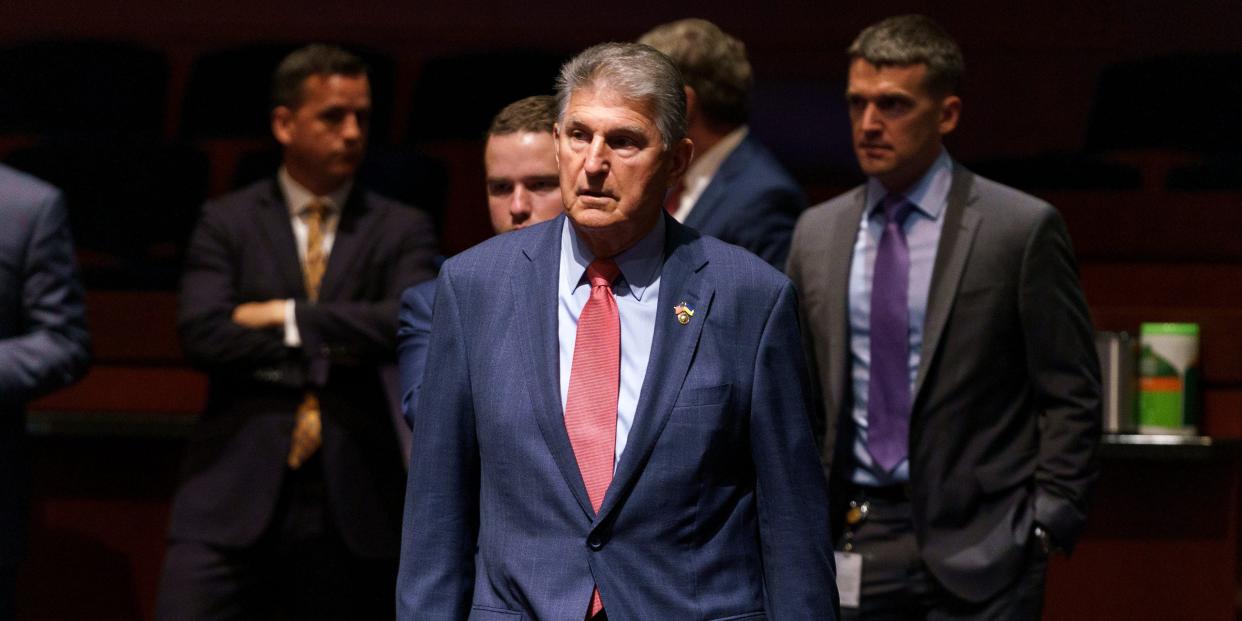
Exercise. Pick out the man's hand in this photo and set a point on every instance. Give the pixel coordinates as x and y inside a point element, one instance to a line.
<point>258,315</point>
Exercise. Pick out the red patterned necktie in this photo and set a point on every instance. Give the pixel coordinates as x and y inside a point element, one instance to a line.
<point>594,382</point>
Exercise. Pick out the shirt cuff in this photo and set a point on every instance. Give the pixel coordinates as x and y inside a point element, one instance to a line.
<point>292,337</point>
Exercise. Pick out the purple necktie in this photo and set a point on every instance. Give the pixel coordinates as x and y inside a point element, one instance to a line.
<point>888,391</point>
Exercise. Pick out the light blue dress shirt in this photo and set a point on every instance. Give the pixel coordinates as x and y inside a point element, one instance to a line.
<point>922,228</point>
<point>637,291</point>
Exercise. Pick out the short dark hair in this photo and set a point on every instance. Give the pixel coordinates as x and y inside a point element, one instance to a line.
<point>313,59</point>
<point>913,40</point>
<point>531,114</point>
<point>712,62</point>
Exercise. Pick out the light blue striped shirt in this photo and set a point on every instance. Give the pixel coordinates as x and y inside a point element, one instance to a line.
<point>922,228</point>
<point>637,291</point>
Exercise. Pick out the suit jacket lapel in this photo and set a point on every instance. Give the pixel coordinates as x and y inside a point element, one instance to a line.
<point>960,223</point>
<point>274,221</point>
<point>672,349</point>
<point>837,262</point>
<point>534,282</point>
<point>350,239</point>
<point>702,215</point>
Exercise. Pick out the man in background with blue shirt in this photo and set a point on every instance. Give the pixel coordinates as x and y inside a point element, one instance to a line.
<point>954,354</point>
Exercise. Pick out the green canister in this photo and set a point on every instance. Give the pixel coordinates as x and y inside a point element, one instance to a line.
<point>1169,378</point>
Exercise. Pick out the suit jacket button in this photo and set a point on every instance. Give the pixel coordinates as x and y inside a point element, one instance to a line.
<point>595,543</point>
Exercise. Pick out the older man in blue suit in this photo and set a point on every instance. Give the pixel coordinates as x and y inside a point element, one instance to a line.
<point>44,344</point>
<point>615,422</point>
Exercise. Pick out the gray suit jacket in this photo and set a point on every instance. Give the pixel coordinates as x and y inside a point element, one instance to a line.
<point>43,339</point>
<point>1006,409</point>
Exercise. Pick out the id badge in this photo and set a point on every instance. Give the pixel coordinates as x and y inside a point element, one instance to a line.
<point>849,578</point>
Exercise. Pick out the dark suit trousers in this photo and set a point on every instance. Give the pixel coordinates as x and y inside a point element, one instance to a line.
<point>896,585</point>
<point>299,569</point>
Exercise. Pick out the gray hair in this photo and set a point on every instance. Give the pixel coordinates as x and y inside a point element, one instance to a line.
<point>913,40</point>
<point>711,62</point>
<point>636,72</point>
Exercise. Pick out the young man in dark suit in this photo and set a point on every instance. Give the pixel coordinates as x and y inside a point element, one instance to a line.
<point>960,397</point>
<point>734,190</point>
<point>290,503</point>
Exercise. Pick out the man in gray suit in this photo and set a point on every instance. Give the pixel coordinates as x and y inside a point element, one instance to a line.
<point>43,340</point>
<point>949,336</point>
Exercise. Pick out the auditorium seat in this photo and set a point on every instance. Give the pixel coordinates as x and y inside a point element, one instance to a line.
<point>1187,101</point>
<point>455,97</point>
<point>76,87</point>
<point>131,204</point>
<point>1219,173</point>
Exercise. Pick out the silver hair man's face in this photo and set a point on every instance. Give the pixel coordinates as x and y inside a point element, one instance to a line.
<point>614,168</point>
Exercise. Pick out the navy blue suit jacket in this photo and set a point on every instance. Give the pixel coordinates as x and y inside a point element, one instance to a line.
<point>751,202</point>
<point>413,335</point>
<point>718,507</point>
<point>43,339</point>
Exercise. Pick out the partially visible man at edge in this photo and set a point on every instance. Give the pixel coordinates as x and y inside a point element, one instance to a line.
<point>44,343</point>
<point>523,188</point>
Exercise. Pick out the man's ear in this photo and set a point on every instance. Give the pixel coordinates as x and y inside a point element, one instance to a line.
<point>950,112</point>
<point>680,154</point>
<point>282,121</point>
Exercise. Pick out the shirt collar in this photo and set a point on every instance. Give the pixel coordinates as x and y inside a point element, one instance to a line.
<point>929,195</point>
<point>639,263</point>
<point>297,197</point>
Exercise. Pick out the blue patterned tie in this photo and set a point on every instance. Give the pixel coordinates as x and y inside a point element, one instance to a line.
<point>888,391</point>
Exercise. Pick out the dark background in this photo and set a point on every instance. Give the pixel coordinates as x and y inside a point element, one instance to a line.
<point>1124,114</point>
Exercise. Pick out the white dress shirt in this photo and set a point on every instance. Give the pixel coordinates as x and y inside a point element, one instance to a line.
<point>704,168</point>
<point>297,198</point>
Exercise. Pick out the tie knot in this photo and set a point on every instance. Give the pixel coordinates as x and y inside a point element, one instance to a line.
<point>896,208</point>
<point>316,209</point>
<point>601,272</point>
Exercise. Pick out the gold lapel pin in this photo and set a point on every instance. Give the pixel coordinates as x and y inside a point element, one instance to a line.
<point>684,313</point>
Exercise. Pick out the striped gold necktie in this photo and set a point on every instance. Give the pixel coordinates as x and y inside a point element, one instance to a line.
<point>307,425</point>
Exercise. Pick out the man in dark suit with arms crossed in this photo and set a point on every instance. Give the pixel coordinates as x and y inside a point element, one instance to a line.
<point>290,502</point>
<point>953,351</point>
<point>619,422</point>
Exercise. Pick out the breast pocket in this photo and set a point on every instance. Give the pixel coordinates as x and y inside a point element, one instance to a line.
<point>706,407</point>
<point>702,397</point>
<point>487,613</point>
